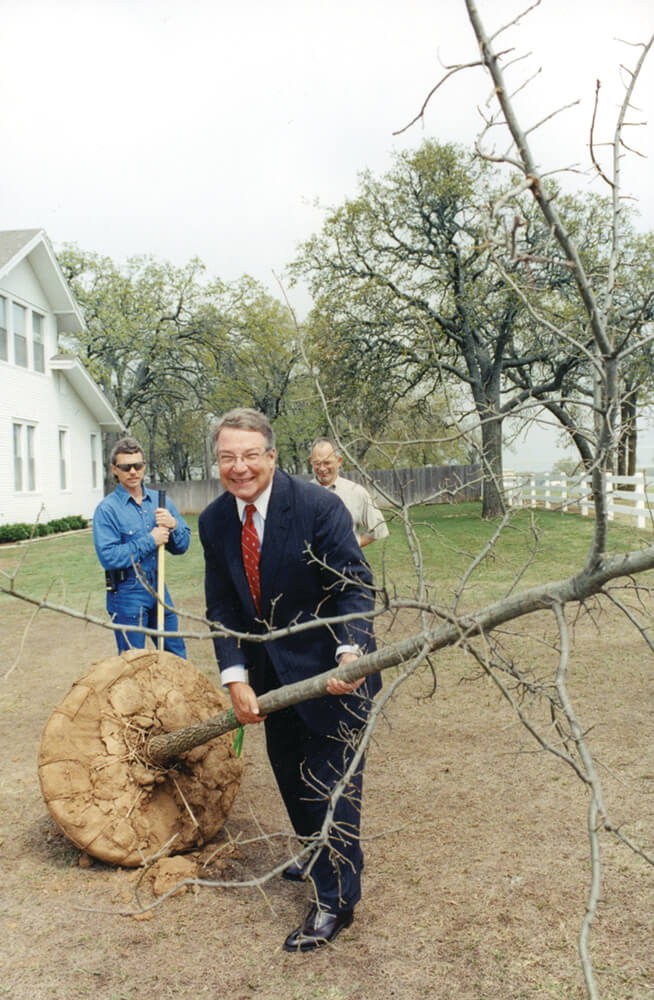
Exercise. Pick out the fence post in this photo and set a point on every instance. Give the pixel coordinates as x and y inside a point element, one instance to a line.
<point>640,502</point>
<point>520,490</point>
<point>584,506</point>
<point>608,488</point>
<point>512,489</point>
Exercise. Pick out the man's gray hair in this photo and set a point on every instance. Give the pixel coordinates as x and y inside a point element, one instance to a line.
<point>328,440</point>
<point>245,419</point>
<point>126,446</point>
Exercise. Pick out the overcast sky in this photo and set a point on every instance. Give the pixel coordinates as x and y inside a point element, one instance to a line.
<point>224,129</point>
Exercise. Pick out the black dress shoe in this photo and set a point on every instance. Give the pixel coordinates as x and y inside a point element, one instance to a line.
<point>319,928</point>
<point>294,872</point>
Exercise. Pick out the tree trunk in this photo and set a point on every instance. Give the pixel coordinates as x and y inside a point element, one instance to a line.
<point>628,416</point>
<point>108,441</point>
<point>628,437</point>
<point>491,464</point>
<point>622,448</point>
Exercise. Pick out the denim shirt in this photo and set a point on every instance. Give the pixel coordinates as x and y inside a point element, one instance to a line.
<point>121,530</point>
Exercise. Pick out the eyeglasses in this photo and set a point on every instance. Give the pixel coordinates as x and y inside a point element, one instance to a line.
<point>248,457</point>
<point>128,466</point>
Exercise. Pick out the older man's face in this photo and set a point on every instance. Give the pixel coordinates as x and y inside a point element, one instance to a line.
<point>246,468</point>
<point>325,463</point>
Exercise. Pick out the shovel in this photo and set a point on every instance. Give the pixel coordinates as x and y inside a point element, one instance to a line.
<point>161,581</point>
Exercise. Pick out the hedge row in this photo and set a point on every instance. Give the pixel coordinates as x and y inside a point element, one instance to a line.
<point>19,532</point>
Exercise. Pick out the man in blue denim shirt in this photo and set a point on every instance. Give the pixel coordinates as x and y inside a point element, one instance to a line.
<point>128,528</point>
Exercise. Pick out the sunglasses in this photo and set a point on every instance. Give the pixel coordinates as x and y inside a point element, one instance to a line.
<point>128,466</point>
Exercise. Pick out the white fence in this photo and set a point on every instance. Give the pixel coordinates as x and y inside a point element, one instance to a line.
<point>627,496</point>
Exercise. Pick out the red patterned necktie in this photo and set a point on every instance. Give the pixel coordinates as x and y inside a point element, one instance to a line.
<point>250,549</point>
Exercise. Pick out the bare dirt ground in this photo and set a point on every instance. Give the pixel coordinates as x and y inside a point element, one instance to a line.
<point>476,872</point>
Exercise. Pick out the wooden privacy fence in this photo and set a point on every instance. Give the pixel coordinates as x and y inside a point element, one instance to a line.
<point>631,497</point>
<point>429,484</point>
<point>426,484</point>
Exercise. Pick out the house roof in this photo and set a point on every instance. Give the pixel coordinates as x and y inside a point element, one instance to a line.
<point>88,391</point>
<point>33,244</point>
<point>13,240</point>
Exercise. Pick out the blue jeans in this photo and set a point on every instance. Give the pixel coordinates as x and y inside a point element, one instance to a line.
<point>133,605</point>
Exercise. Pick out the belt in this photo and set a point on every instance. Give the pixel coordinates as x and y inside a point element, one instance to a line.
<point>114,577</point>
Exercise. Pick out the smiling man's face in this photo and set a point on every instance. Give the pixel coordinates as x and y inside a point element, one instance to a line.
<point>325,462</point>
<point>246,468</point>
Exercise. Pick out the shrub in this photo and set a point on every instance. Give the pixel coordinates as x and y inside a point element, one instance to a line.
<point>21,531</point>
<point>15,532</point>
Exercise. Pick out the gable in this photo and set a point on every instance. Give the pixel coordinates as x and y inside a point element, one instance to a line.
<point>22,282</point>
<point>37,306</point>
<point>88,391</point>
<point>33,247</point>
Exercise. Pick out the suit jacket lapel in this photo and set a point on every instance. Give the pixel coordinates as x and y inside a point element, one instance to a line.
<point>278,523</point>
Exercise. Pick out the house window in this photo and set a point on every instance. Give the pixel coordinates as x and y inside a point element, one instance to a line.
<point>20,337</point>
<point>24,457</point>
<point>18,457</point>
<point>38,350</point>
<point>3,329</point>
<point>30,433</point>
<point>63,459</point>
<point>94,460</point>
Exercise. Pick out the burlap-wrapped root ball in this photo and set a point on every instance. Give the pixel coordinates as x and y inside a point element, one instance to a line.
<point>93,777</point>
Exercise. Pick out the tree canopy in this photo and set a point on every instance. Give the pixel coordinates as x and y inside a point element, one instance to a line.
<point>171,350</point>
<point>414,289</point>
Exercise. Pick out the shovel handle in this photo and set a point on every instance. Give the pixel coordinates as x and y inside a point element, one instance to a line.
<point>161,581</point>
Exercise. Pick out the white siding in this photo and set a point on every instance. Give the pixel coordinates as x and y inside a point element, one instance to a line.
<point>23,284</point>
<point>47,401</point>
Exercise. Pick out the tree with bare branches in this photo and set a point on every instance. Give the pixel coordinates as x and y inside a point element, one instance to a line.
<point>453,620</point>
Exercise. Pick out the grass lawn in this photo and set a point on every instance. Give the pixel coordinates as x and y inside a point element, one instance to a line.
<point>539,545</point>
<point>477,873</point>
<point>536,545</point>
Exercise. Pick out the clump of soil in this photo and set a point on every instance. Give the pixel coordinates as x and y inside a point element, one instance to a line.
<point>94,775</point>
<point>169,872</point>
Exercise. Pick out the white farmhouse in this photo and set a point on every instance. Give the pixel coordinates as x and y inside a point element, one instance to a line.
<point>52,413</point>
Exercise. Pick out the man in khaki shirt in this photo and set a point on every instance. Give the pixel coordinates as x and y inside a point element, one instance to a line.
<point>368,520</point>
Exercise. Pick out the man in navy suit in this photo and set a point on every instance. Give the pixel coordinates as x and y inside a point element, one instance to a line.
<point>306,566</point>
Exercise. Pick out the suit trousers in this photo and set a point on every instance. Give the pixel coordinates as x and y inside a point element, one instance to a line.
<point>307,765</point>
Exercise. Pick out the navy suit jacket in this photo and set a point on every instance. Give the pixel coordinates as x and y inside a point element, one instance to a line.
<point>311,567</point>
